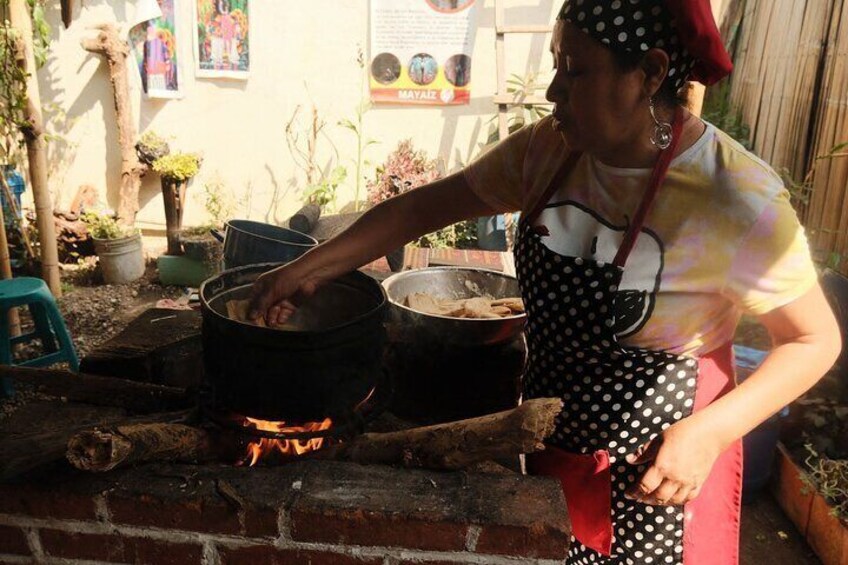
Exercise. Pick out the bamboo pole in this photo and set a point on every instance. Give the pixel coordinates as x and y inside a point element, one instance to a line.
<point>6,273</point>
<point>36,149</point>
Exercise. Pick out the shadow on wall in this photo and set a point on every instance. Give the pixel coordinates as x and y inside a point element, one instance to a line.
<point>98,89</point>
<point>483,105</point>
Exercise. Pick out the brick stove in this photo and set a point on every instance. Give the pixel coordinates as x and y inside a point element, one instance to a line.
<point>300,513</point>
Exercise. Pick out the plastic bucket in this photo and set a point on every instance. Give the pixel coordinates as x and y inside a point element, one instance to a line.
<point>121,260</point>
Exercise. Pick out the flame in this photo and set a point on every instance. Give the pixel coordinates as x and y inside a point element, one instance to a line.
<point>287,447</point>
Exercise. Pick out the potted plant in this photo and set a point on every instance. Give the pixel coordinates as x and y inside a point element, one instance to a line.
<point>151,147</point>
<point>176,170</point>
<point>812,482</point>
<point>119,248</point>
<point>405,169</point>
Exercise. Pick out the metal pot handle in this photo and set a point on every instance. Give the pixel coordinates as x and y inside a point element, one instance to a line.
<point>217,235</point>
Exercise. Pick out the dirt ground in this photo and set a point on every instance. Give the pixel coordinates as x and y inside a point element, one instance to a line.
<point>94,312</point>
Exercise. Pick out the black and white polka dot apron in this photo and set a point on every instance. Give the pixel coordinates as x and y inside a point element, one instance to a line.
<point>615,398</point>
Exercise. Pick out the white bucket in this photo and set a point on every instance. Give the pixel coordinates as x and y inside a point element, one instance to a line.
<point>121,260</point>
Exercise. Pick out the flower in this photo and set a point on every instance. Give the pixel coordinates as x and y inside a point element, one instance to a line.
<point>405,168</point>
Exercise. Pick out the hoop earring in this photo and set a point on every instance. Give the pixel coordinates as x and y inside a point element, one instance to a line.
<point>661,135</point>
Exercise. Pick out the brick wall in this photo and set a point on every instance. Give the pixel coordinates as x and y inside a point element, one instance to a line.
<point>308,513</point>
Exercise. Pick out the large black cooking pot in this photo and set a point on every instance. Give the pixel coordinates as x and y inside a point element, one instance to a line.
<point>248,243</point>
<point>322,368</point>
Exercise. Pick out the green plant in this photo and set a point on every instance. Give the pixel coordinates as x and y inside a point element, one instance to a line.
<point>719,111</point>
<point>358,129</point>
<point>323,193</point>
<point>462,235</point>
<point>177,167</point>
<point>830,478</point>
<point>321,186</point>
<point>105,226</point>
<point>405,169</point>
<point>217,201</point>
<point>151,147</point>
<point>13,78</point>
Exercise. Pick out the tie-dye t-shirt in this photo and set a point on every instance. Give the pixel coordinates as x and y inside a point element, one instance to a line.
<point>721,239</point>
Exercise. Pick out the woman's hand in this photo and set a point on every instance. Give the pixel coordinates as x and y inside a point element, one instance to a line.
<point>680,460</point>
<point>276,294</point>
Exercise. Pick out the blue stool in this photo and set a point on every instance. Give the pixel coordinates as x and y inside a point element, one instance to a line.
<point>49,325</point>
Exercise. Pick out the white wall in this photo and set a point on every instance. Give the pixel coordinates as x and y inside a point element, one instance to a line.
<point>303,53</point>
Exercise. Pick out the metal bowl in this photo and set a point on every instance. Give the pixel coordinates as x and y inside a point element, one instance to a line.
<point>453,283</point>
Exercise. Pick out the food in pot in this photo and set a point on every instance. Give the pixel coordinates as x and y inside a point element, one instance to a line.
<point>238,310</point>
<point>479,307</point>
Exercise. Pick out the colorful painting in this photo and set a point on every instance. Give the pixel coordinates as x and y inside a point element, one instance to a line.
<point>222,41</point>
<point>154,45</point>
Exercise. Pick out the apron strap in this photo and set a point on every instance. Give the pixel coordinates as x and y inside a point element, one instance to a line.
<point>657,178</point>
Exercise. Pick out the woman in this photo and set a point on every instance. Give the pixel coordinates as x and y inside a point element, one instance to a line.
<point>645,234</point>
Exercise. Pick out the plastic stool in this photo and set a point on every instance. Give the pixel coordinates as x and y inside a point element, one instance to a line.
<point>49,325</point>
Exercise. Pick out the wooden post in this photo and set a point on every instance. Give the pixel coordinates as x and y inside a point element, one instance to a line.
<point>109,44</point>
<point>36,150</point>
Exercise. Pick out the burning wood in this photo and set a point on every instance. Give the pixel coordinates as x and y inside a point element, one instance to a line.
<point>454,445</point>
<point>285,447</point>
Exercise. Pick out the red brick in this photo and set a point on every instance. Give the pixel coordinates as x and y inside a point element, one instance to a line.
<point>261,522</point>
<point>114,548</point>
<point>191,513</point>
<point>541,542</point>
<point>418,562</point>
<point>357,505</point>
<point>520,516</point>
<point>42,503</point>
<point>13,541</point>
<point>267,555</point>
<point>362,527</point>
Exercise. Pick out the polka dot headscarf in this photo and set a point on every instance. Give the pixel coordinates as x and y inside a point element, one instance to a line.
<point>634,26</point>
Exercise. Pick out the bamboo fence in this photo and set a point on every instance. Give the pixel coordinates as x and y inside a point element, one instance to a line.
<point>790,84</point>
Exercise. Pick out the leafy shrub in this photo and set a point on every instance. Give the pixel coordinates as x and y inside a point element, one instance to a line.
<point>177,167</point>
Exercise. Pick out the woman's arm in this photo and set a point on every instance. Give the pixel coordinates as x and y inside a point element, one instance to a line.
<point>382,229</point>
<point>806,342</point>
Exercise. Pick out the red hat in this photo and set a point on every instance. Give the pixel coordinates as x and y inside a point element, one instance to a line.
<point>699,34</point>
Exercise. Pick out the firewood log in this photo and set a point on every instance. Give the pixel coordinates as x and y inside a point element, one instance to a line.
<point>450,446</point>
<point>100,391</point>
<point>456,445</point>
<point>104,450</point>
<point>25,452</point>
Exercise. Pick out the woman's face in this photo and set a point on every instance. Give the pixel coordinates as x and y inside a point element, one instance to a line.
<point>598,108</point>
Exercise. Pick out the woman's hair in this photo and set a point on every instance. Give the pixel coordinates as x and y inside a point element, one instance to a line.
<point>668,94</point>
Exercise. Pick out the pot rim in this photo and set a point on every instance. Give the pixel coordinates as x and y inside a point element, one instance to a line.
<point>312,243</point>
<point>387,283</point>
<point>265,267</point>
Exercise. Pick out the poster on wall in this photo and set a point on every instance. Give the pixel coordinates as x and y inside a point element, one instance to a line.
<point>421,51</point>
<point>221,39</point>
<point>154,46</point>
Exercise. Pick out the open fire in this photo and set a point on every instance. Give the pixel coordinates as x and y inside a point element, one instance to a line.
<point>292,447</point>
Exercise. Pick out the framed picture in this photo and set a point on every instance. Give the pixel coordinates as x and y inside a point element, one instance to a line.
<point>155,49</point>
<point>222,38</point>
